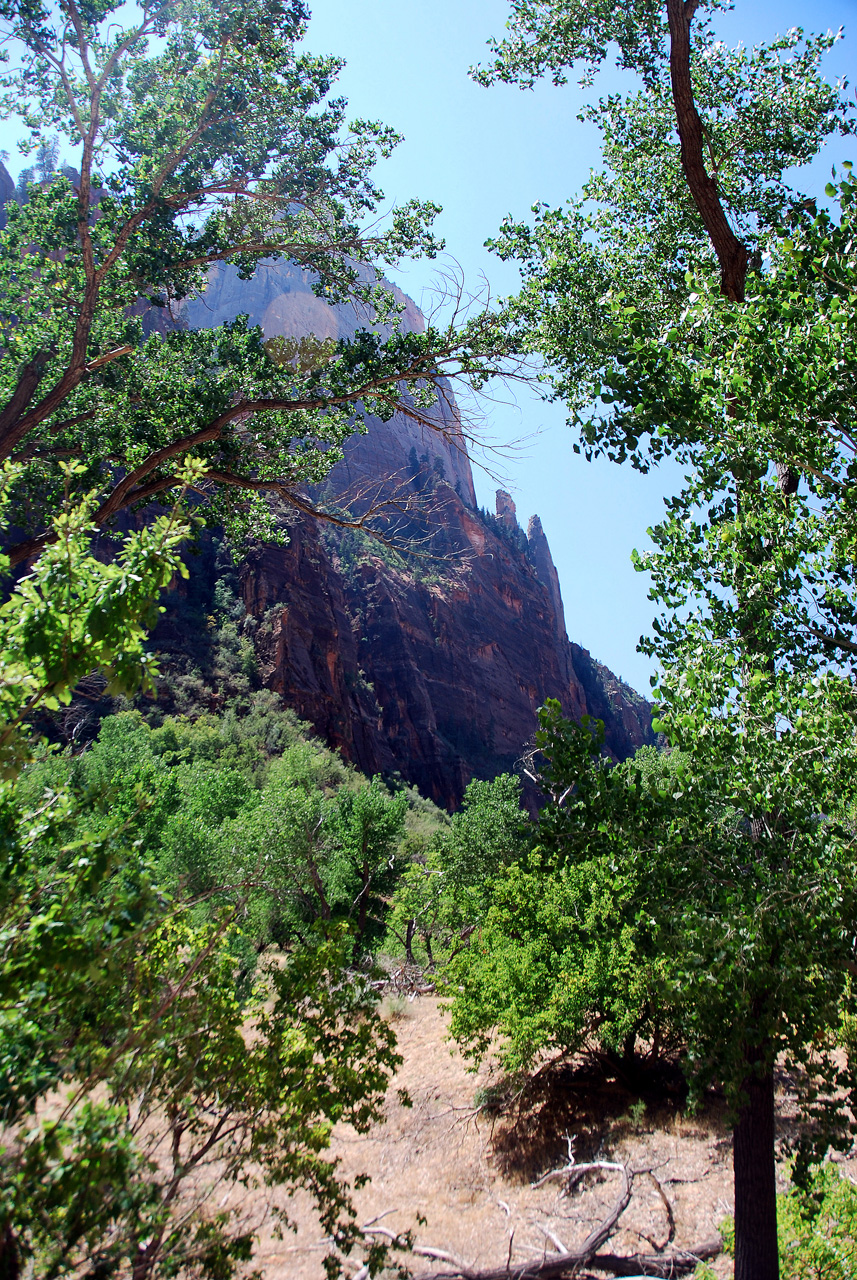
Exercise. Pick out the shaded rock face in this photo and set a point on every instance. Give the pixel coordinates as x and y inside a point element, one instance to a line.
<point>433,670</point>
<point>440,679</point>
<point>7,192</point>
<point>279,298</point>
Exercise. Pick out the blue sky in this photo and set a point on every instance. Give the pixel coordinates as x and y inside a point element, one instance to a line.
<point>483,153</point>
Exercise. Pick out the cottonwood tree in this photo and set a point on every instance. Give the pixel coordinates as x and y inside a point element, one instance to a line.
<point>693,188</point>
<point>196,134</point>
<point>641,912</point>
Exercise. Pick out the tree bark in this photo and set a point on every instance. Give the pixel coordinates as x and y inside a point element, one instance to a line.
<point>10,1257</point>
<point>732,255</point>
<point>756,1253</point>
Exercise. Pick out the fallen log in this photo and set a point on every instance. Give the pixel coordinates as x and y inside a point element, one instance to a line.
<point>665,1265</point>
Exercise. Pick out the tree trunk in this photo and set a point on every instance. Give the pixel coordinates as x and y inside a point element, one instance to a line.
<point>756,1254</point>
<point>732,255</point>
<point>10,1258</point>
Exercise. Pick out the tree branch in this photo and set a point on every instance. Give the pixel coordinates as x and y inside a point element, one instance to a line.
<point>28,384</point>
<point>731,253</point>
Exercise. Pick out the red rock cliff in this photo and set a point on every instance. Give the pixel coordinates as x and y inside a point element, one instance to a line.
<point>433,668</point>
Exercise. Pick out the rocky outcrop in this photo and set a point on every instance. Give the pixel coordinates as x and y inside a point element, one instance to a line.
<point>431,664</point>
<point>435,676</point>
<point>7,192</point>
<point>542,561</point>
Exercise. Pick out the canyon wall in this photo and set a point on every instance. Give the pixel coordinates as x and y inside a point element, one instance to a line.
<point>432,663</point>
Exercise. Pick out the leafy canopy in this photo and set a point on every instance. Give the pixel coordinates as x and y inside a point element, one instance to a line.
<point>199,134</point>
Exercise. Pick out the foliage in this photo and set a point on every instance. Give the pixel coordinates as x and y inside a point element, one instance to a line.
<point>740,385</point>
<point>365,828</point>
<point>203,134</point>
<point>124,1012</point>
<point>317,859</point>
<point>72,613</point>
<point>146,1055</point>
<point>634,228</point>
<point>691,291</point>
<point>632,918</point>
<point>251,800</point>
<point>143,879</point>
<point>442,896</point>
<point>817,1228</point>
<point>564,959</point>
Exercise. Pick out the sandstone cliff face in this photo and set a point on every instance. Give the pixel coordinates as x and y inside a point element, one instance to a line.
<point>437,677</point>
<point>432,668</point>
<point>279,298</point>
<point>7,192</point>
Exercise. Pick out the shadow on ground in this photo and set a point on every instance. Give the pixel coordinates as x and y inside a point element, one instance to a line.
<point>593,1104</point>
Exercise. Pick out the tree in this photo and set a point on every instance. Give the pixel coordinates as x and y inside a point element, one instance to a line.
<point>120,1006</point>
<point>140,1068</point>
<point>640,922</point>
<point>564,960</point>
<point>757,577</point>
<point>201,134</point>
<point>365,828</point>
<point>442,896</point>
<point>694,189</point>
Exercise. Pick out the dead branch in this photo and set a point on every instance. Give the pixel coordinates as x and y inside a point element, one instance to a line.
<point>565,1261</point>
<point>679,1263</point>
<point>555,1264</point>
<point>668,1209</point>
<point>666,1266</point>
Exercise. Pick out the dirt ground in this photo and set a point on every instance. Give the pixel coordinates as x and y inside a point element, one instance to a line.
<point>460,1178</point>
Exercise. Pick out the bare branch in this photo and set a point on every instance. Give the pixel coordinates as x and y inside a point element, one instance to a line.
<point>111,355</point>
<point>567,1261</point>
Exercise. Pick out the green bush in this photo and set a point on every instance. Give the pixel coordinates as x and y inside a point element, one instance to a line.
<point>817,1229</point>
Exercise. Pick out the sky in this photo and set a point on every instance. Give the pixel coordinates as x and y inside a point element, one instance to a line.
<point>483,154</point>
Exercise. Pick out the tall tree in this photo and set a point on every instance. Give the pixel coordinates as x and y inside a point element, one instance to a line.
<point>694,185</point>
<point>198,133</point>
<point>641,918</point>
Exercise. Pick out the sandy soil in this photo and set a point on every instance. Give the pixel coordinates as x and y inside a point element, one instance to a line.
<point>460,1178</point>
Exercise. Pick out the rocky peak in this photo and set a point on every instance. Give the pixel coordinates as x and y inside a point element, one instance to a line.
<point>506,512</point>
<point>542,561</point>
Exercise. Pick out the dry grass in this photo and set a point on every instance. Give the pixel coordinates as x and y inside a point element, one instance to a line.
<point>459,1177</point>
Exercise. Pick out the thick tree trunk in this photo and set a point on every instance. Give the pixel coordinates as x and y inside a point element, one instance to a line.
<point>756,1256</point>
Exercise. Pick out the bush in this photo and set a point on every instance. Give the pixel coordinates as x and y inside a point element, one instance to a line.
<point>817,1229</point>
